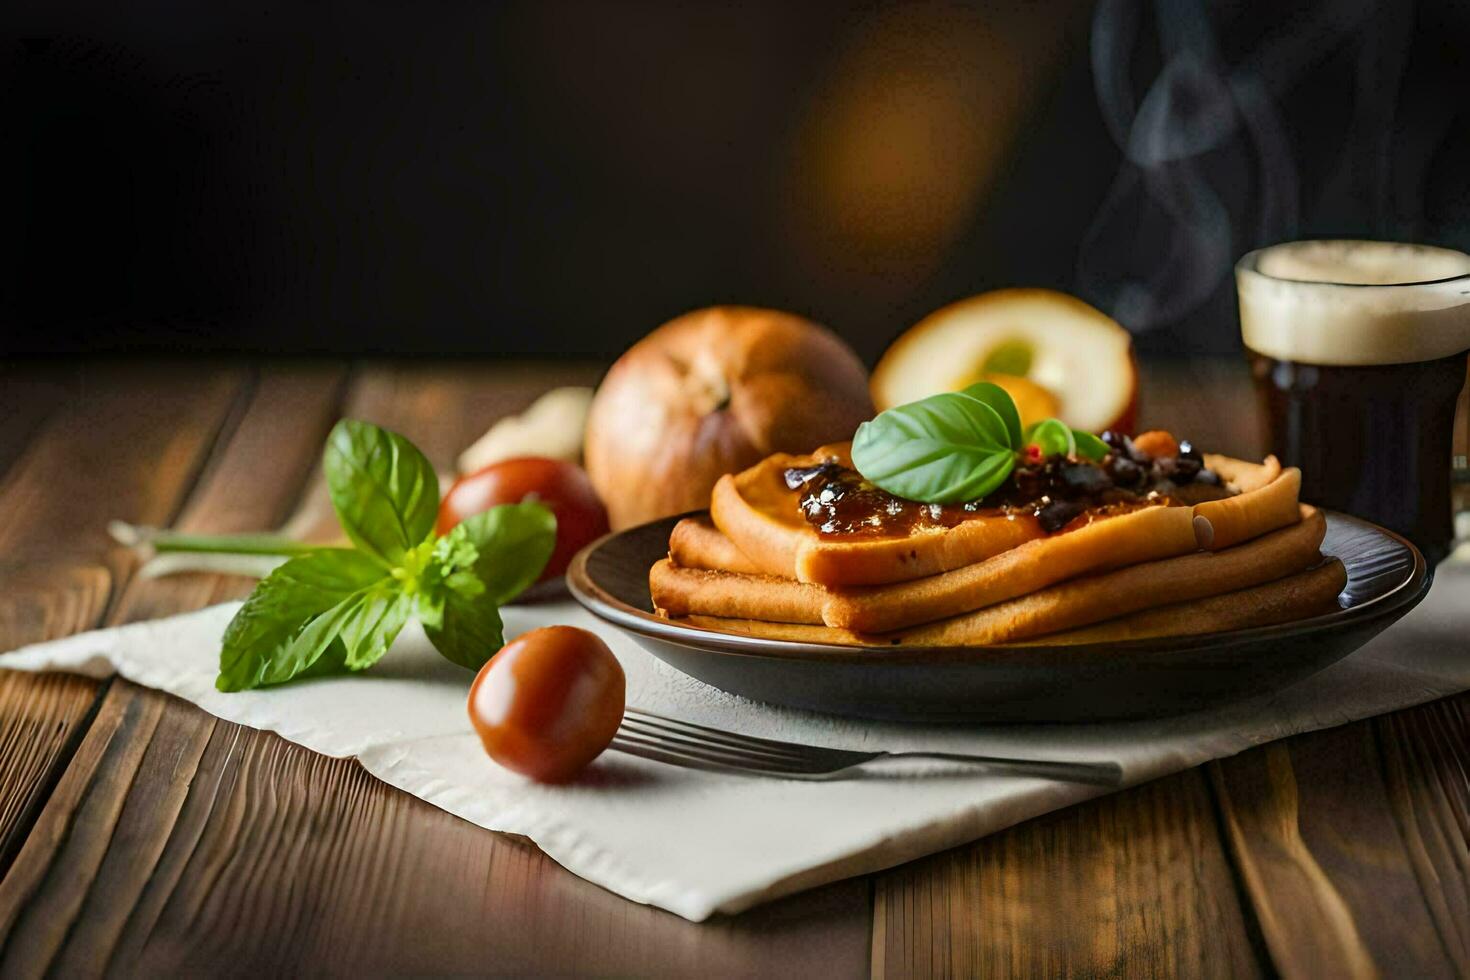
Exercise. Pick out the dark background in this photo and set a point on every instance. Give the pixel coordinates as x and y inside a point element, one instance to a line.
<point>559,178</point>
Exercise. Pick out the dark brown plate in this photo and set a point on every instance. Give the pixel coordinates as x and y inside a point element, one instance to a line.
<point>1387,577</point>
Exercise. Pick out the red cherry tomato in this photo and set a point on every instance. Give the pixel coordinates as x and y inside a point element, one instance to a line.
<point>560,486</point>
<point>549,702</point>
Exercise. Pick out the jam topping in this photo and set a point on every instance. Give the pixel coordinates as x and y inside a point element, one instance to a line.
<point>837,500</point>
<point>1059,492</point>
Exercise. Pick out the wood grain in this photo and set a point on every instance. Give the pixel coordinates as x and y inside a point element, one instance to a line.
<point>350,877</point>
<point>214,835</point>
<point>243,486</point>
<point>30,393</point>
<point>1426,755</point>
<point>40,899</point>
<point>127,444</point>
<point>84,461</point>
<point>1351,843</point>
<point>251,483</point>
<point>39,715</point>
<point>1136,884</point>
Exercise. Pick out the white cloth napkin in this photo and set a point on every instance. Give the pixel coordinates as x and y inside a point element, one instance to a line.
<point>695,842</point>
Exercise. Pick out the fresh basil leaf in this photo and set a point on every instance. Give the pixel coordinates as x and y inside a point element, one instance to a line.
<point>312,642</point>
<point>467,584</point>
<point>1052,437</point>
<point>367,634</point>
<point>469,631</point>
<point>332,663</point>
<point>384,491</point>
<point>1000,400</point>
<point>1089,446</point>
<point>261,643</point>
<point>944,449</point>
<point>487,560</point>
<point>513,543</point>
<point>362,626</point>
<point>431,600</point>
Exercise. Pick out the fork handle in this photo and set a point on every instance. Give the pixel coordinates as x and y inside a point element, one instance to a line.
<point>1093,773</point>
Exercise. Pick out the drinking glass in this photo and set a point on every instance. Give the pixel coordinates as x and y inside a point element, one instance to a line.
<point>1359,353</point>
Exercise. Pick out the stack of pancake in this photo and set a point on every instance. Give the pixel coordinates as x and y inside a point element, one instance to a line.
<point>756,566</point>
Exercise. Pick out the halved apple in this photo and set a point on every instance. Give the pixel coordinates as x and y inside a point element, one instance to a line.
<point>1055,354</point>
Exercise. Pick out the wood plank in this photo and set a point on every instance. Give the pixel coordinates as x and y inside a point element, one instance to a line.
<point>75,834</point>
<point>1135,884</point>
<point>1352,844</point>
<point>128,444</point>
<point>39,715</point>
<point>233,834</point>
<point>40,899</point>
<point>81,468</point>
<point>351,877</point>
<point>30,393</point>
<point>252,483</point>
<point>1426,755</point>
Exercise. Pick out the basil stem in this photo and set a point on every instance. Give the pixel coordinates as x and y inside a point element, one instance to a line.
<point>162,540</point>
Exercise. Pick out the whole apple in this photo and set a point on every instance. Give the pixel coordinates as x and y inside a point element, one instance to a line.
<point>713,392</point>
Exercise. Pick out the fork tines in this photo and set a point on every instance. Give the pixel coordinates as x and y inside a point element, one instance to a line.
<point>688,743</point>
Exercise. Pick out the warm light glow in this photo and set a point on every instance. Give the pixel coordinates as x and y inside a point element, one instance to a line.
<point>897,149</point>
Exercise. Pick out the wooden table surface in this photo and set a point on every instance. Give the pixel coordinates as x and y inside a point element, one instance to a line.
<point>139,835</point>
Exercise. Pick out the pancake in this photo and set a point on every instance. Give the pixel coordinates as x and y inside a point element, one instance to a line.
<point>799,632</point>
<point>1154,532</point>
<point>754,509</point>
<point>1137,587</point>
<point>680,591</point>
<point>1244,475</point>
<point>1133,539</point>
<point>1112,542</point>
<point>954,576</point>
<point>761,516</point>
<point>1143,535</point>
<point>758,512</point>
<point>696,543</point>
<point>1268,500</point>
<point>1285,600</point>
<point>1277,577</point>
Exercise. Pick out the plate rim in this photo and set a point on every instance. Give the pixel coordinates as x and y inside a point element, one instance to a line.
<point>607,607</point>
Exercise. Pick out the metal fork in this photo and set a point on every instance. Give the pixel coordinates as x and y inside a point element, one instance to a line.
<point>683,743</point>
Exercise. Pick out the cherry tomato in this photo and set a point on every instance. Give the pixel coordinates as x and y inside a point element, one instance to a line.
<point>560,486</point>
<point>549,702</point>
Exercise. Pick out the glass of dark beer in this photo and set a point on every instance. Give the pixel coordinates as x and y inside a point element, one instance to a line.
<point>1359,351</point>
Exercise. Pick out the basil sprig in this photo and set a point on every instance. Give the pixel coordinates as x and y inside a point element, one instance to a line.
<point>958,446</point>
<point>339,609</point>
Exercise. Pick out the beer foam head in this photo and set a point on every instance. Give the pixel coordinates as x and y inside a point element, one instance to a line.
<point>1352,302</point>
